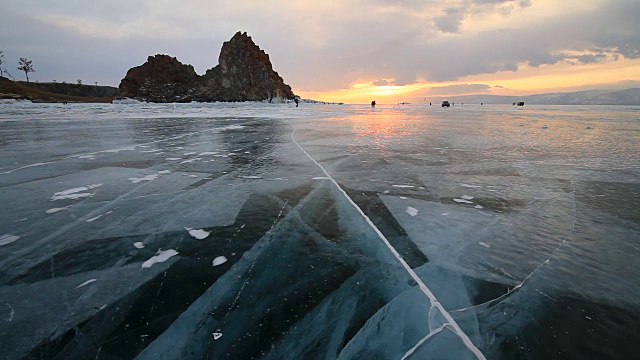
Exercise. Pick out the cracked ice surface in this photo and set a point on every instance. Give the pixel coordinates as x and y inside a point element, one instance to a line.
<point>318,232</point>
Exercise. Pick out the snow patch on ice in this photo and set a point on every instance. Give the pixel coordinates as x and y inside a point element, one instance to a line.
<point>55,210</point>
<point>403,186</point>
<point>462,201</point>
<point>219,260</point>
<point>138,245</point>
<point>75,193</point>
<point>470,186</point>
<point>7,239</point>
<point>198,233</point>
<point>94,218</point>
<point>320,178</point>
<point>231,127</point>
<point>482,243</point>
<point>412,211</point>
<point>126,148</point>
<point>208,153</point>
<point>164,172</point>
<point>160,256</point>
<point>144,178</point>
<point>86,283</point>
<point>467,197</point>
<point>250,177</point>
<point>173,159</point>
<point>479,207</point>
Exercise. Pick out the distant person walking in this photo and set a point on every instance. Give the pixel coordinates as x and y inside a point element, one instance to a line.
<point>296,101</point>
<point>373,103</point>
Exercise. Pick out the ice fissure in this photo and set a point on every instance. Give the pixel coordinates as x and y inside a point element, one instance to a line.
<point>414,276</point>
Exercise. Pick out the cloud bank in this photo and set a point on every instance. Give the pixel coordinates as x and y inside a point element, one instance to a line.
<point>321,46</point>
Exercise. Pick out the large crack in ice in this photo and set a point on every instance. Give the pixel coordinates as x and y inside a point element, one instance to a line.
<point>553,253</point>
<point>423,287</point>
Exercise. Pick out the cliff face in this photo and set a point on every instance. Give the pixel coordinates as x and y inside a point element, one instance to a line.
<point>244,73</point>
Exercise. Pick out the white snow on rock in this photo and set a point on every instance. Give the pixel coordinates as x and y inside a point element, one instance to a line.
<point>208,153</point>
<point>138,245</point>
<point>470,186</point>
<point>160,256</point>
<point>482,243</point>
<point>320,178</point>
<point>467,197</point>
<point>173,158</point>
<point>478,207</point>
<point>8,239</point>
<point>412,211</point>
<point>164,172</point>
<point>198,233</point>
<point>219,260</point>
<point>144,178</point>
<point>250,177</point>
<point>403,186</point>
<point>86,283</point>
<point>217,336</point>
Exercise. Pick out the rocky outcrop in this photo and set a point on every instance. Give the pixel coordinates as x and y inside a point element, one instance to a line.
<point>244,73</point>
<point>161,79</point>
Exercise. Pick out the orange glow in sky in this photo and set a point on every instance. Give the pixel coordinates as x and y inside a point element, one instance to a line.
<point>526,81</point>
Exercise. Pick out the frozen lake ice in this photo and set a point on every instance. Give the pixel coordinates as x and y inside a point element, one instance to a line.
<point>240,231</point>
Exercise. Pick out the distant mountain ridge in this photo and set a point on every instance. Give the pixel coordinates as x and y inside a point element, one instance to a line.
<point>587,97</point>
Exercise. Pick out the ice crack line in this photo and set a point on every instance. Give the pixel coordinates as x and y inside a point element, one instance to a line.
<point>434,301</point>
<point>417,345</point>
<point>11,313</point>
<point>553,253</point>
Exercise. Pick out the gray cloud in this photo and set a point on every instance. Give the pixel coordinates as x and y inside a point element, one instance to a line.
<point>381,82</point>
<point>451,21</point>
<point>319,49</point>
<point>458,89</point>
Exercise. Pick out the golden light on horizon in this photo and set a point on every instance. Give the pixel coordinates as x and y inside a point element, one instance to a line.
<point>527,80</point>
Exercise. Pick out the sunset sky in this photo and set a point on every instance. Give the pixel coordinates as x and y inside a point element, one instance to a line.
<point>350,50</point>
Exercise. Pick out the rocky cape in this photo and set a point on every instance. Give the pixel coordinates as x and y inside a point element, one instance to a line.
<point>244,73</point>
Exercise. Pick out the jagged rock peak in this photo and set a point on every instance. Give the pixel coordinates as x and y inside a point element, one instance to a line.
<point>246,71</point>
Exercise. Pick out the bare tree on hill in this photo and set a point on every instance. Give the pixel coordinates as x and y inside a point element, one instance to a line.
<point>25,65</point>
<point>1,62</point>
